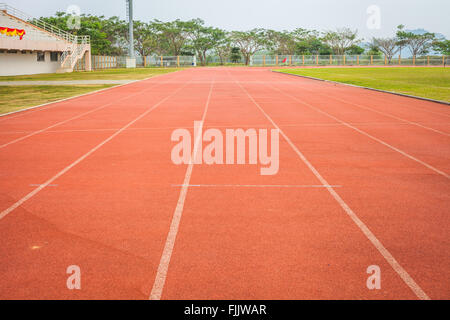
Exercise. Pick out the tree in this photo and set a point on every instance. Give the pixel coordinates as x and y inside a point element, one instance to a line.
<point>373,50</point>
<point>144,39</point>
<point>249,42</point>
<point>389,46</point>
<point>341,40</point>
<point>281,43</point>
<point>174,33</point>
<point>203,39</point>
<point>442,46</point>
<point>355,50</point>
<point>108,36</point>
<point>235,55</point>
<point>418,44</point>
<point>223,49</point>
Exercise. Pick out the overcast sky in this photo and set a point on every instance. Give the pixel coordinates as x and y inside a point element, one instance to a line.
<point>432,15</point>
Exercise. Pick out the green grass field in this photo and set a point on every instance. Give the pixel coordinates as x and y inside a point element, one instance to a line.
<point>13,98</point>
<point>432,83</point>
<point>109,74</point>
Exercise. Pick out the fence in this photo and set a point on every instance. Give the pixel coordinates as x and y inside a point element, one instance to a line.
<point>112,62</point>
<point>333,60</point>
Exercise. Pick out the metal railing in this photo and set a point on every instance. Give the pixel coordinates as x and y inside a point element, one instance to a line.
<point>58,33</point>
<point>108,62</point>
<point>332,60</point>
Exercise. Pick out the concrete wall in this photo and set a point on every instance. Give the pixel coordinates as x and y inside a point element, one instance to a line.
<point>26,63</point>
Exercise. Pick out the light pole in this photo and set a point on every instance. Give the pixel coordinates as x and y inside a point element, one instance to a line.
<point>130,60</point>
<point>131,28</point>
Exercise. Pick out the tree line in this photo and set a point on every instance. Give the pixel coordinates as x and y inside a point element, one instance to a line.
<point>109,36</point>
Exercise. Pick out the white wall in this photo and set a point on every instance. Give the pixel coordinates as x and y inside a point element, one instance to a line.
<point>12,64</point>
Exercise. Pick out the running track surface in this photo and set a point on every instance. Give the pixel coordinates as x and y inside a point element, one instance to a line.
<point>90,182</point>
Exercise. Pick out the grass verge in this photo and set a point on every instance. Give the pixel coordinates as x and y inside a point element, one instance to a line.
<point>14,98</point>
<point>109,74</point>
<point>431,83</point>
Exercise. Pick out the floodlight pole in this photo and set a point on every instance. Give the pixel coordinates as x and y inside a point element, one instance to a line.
<point>131,28</point>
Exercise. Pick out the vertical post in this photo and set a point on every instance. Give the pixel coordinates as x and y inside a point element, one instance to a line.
<point>276,60</point>
<point>385,60</point>
<point>331,59</point>
<point>161,61</point>
<point>264,61</point>
<point>145,61</point>
<point>87,61</point>
<point>303,60</point>
<point>428,60</point>
<point>344,60</point>
<point>317,59</point>
<point>357,60</point>
<point>414,60</point>
<point>371,60</point>
<point>290,60</point>
<point>131,28</point>
<point>178,61</point>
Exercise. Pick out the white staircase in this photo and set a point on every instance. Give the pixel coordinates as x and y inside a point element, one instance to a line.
<point>73,53</point>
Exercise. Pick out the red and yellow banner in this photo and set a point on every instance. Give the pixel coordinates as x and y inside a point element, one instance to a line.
<point>12,32</point>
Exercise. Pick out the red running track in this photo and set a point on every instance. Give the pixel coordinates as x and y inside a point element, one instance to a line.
<point>363,180</point>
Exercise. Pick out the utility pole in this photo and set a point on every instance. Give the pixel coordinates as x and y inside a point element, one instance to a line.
<point>131,60</point>
<point>131,28</point>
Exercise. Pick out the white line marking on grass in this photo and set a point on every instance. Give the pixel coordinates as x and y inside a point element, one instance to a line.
<point>372,238</point>
<point>366,134</point>
<point>4,213</point>
<point>163,267</point>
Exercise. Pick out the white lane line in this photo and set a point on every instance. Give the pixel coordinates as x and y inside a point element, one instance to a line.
<point>253,186</point>
<point>163,267</point>
<point>391,116</point>
<point>80,115</point>
<point>366,134</point>
<point>372,238</point>
<point>379,112</point>
<point>5,212</point>
<point>334,124</point>
<point>374,91</point>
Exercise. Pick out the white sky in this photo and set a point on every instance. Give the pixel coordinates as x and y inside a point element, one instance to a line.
<point>432,15</point>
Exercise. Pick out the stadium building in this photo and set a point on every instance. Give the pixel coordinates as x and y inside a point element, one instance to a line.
<point>32,46</point>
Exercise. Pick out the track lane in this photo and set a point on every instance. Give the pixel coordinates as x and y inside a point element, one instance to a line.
<point>404,205</point>
<point>108,214</point>
<point>268,243</point>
